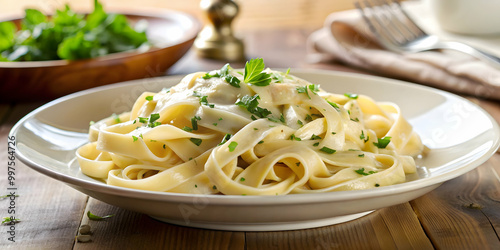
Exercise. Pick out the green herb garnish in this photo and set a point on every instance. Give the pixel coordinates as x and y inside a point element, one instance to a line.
<point>383,142</point>
<point>303,90</point>
<point>232,146</point>
<point>9,220</point>
<point>143,119</point>
<point>194,122</point>
<point>225,138</point>
<point>96,217</point>
<point>116,118</point>
<point>225,74</point>
<point>203,100</point>
<point>8,195</point>
<point>251,104</point>
<point>68,35</point>
<point>327,150</point>
<point>254,75</point>
<point>336,106</point>
<point>315,137</point>
<point>351,96</point>
<point>361,171</point>
<point>196,141</point>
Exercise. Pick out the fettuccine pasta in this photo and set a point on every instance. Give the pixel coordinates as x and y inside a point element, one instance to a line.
<point>257,132</point>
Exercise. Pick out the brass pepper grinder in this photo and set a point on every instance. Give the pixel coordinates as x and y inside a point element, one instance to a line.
<point>216,40</point>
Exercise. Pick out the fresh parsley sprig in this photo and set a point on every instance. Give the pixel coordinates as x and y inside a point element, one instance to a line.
<point>254,75</point>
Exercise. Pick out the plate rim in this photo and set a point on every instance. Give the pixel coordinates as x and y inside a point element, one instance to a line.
<point>237,200</point>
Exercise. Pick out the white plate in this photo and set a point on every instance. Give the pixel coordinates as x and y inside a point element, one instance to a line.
<point>460,136</point>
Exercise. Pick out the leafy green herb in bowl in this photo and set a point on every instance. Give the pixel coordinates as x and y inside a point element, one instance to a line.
<point>45,57</point>
<point>68,35</point>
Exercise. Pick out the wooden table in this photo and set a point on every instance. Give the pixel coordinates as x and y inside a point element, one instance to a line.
<point>463,213</point>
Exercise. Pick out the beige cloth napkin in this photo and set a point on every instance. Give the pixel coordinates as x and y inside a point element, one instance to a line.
<point>345,38</point>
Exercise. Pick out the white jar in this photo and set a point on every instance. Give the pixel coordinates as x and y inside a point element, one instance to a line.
<point>472,17</point>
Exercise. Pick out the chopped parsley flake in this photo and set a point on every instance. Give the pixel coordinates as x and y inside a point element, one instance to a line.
<point>282,118</point>
<point>135,138</point>
<point>363,137</point>
<point>313,88</point>
<point>300,123</point>
<point>361,171</point>
<point>315,137</point>
<point>251,104</point>
<point>186,128</point>
<point>196,141</point>
<point>96,217</point>
<point>224,74</point>
<point>242,179</point>
<point>116,118</point>
<point>10,220</point>
<point>377,185</point>
<point>194,122</point>
<point>152,120</point>
<point>383,142</point>
<point>149,98</point>
<point>308,118</point>
<point>232,146</point>
<point>302,90</point>
<point>327,150</point>
<point>361,155</point>
<point>351,96</point>
<point>225,138</point>
<point>203,100</point>
<point>294,138</point>
<point>334,105</point>
<point>316,144</point>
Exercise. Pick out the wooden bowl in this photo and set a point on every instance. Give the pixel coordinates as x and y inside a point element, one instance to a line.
<point>172,34</point>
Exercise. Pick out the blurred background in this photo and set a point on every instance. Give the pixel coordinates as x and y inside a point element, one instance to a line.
<point>254,14</point>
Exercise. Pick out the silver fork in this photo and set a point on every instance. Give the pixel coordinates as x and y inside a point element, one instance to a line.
<point>396,31</point>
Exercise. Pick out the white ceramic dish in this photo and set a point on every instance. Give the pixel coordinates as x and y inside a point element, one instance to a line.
<point>460,136</point>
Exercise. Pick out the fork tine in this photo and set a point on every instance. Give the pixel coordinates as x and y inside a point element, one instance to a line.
<point>392,21</point>
<point>375,24</point>
<point>398,21</point>
<point>415,27</point>
<point>389,22</point>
